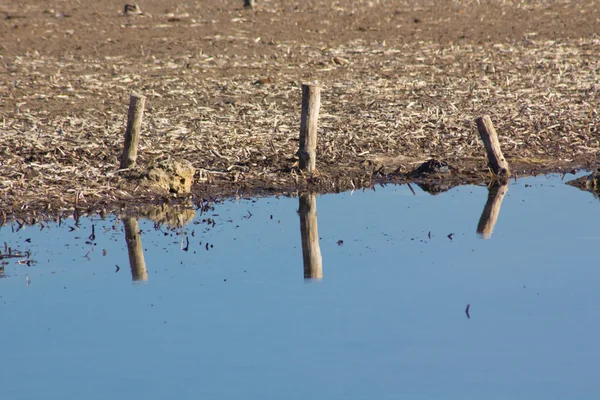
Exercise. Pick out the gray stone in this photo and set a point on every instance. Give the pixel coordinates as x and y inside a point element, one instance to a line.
<point>172,176</point>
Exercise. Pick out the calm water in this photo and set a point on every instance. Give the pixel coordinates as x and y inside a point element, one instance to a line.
<point>386,321</point>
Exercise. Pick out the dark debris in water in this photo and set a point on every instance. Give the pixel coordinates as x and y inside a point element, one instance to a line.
<point>430,167</point>
<point>589,183</point>
<point>434,187</point>
<point>428,176</point>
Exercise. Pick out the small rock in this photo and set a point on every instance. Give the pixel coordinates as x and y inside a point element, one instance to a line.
<point>172,176</point>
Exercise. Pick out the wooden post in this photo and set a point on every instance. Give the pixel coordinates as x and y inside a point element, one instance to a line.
<point>248,3</point>
<point>489,216</point>
<point>492,146</point>
<point>311,102</point>
<point>132,134</point>
<point>134,249</point>
<point>309,234</point>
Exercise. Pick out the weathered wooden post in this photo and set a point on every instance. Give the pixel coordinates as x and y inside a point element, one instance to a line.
<point>489,216</point>
<point>309,234</point>
<point>248,3</point>
<point>311,103</point>
<point>492,146</point>
<point>134,249</point>
<point>132,133</point>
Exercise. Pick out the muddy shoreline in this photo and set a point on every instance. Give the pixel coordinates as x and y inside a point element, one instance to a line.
<point>168,208</point>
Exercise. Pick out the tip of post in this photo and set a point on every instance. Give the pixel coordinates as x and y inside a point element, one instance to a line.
<point>314,83</point>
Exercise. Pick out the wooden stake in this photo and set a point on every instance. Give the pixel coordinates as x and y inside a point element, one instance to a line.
<point>249,3</point>
<point>309,233</point>
<point>489,216</point>
<point>132,134</point>
<point>134,249</point>
<point>311,102</point>
<point>492,146</point>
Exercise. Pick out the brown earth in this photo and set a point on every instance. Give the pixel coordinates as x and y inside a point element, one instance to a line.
<point>402,82</point>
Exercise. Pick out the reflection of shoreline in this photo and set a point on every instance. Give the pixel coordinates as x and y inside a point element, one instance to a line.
<point>134,249</point>
<point>309,234</point>
<point>489,216</point>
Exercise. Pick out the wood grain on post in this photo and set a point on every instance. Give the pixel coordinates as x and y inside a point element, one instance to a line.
<point>489,216</point>
<point>249,3</point>
<point>311,103</point>
<point>134,249</point>
<point>309,234</point>
<point>132,134</point>
<point>488,135</point>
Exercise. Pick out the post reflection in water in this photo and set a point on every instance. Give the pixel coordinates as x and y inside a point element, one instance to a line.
<point>134,248</point>
<point>309,233</point>
<point>496,193</point>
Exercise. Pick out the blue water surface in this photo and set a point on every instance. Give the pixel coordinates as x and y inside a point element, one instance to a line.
<point>238,320</point>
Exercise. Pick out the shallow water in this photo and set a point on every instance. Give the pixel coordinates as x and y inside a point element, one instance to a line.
<point>387,320</point>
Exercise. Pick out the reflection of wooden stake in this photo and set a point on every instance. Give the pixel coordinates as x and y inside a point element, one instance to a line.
<point>134,248</point>
<point>309,233</point>
<point>491,210</point>
<point>137,103</point>
<point>492,146</point>
<point>311,102</point>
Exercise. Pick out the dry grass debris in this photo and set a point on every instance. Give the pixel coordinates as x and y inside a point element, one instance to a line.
<point>231,104</point>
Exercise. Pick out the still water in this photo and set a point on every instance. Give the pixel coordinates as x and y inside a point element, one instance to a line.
<point>224,308</point>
